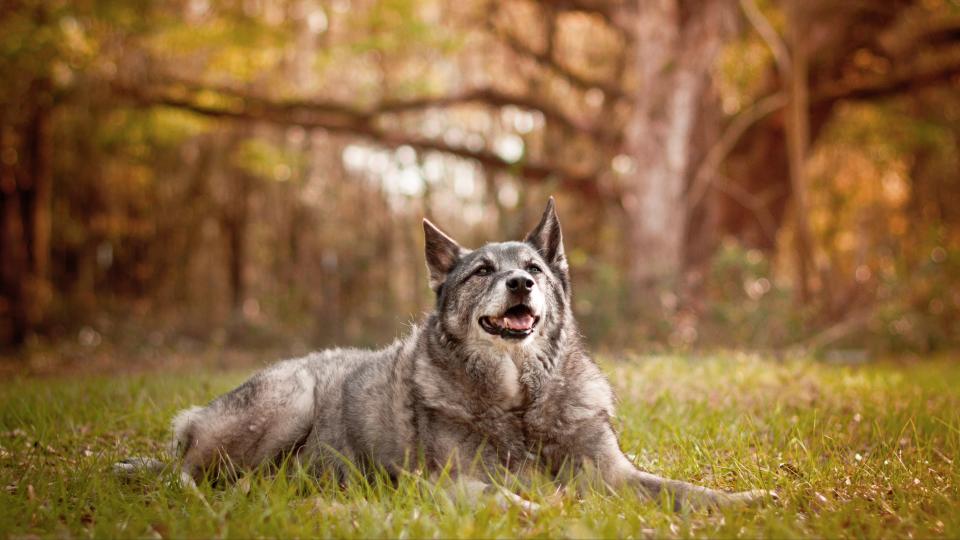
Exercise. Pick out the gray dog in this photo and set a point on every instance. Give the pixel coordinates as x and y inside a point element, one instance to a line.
<point>495,379</point>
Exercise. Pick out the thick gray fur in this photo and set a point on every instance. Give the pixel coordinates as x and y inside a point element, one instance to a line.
<point>449,394</point>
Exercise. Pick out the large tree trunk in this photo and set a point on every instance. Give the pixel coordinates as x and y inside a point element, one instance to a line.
<point>676,46</point>
<point>13,244</point>
<point>25,192</point>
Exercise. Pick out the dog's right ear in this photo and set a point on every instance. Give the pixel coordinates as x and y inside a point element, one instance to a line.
<point>442,254</point>
<point>547,238</point>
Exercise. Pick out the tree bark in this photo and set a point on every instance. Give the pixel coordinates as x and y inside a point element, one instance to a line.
<point>235,223</point>
<point>25,196</point>
<point>798,142</point>
<point>13,244</point>
<point>676,45</point>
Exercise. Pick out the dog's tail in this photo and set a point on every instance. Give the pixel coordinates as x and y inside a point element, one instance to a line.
<point>182,428</point>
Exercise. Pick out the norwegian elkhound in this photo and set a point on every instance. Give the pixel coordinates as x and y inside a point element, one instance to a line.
<point>495,379</point>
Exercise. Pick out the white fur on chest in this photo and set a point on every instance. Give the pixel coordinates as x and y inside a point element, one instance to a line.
<point>507,358</point>
<point>510,389</point>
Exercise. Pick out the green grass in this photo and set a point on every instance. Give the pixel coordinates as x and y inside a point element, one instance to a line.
<point>863,451</point>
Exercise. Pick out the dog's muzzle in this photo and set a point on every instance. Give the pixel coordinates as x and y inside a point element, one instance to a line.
<point>517,322</point>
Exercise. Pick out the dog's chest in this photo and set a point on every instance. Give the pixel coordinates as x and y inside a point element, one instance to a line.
<point>510,390</point>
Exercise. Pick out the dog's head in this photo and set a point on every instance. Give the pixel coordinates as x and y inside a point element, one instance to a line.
<point>506,293</point>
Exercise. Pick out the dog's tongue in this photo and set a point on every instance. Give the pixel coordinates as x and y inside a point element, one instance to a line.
<point>523,321</point>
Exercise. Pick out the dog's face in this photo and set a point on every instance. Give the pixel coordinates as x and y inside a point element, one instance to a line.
<point>507,294</point>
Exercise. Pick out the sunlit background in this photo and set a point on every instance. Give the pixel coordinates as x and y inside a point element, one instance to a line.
<point>192,175</point>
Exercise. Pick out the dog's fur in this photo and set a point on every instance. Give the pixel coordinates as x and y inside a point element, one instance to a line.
<point>467,389</point>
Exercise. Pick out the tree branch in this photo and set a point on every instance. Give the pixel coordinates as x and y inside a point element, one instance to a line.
<point>754,204</point>
<point>769,35</point>
<point>603,9</point>
<point>547,60</point>
<point>919,73</point>
<point>353,122</point>
<point>332,110</point>
<point>708,169</point>
<point>932,72</point>
<point>487,96</point>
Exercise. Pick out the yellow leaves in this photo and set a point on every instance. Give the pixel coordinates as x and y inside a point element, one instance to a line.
<point>76,40</point>
<point>243,63</point>
<point>741,73</point>
<point>266,160</point>
<point>231,48</point>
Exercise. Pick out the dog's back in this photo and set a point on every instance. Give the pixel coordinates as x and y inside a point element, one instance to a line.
<point>325,407</point>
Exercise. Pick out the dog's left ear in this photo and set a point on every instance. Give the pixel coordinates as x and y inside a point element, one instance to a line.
<point>442,253</point>
<point>547,238</point>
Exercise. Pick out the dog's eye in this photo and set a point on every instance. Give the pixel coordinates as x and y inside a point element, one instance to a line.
<point>533,269</point>
<point>483,271</point>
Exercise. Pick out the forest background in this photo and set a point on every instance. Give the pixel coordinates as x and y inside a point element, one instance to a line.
<point>178,176</point>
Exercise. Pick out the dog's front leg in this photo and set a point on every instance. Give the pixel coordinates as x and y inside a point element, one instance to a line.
<point>468,488</point>
<point>618,472</point>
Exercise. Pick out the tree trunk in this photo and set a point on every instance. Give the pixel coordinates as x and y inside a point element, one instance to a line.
<point>677,43</point>
<point>235,223</point>
<point>25,195</point>
<point>701,226</point>
<point>798,141</point>
<point>13,242</point>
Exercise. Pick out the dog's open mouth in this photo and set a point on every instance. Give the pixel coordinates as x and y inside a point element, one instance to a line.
<point>517,322</point>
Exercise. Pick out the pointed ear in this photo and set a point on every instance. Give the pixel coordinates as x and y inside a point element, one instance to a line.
<point>547,238</point>
<point>442,254</point>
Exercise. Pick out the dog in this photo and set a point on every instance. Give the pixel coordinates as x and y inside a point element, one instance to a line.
<point>496,378</point>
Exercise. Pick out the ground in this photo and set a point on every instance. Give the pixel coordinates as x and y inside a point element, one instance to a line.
<point>853,451</point>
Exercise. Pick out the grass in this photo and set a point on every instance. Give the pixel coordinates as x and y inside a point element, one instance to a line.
<point>865,451</point>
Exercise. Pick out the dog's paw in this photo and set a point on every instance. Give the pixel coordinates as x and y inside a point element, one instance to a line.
<point>136,465</point>
<point>717,500</point>
<point>507,498</point>
<point>753,497</point>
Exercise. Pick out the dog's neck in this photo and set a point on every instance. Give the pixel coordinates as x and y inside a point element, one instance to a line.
<point>505,375</point>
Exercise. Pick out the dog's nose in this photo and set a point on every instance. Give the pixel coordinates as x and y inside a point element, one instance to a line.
<point>520,284</point>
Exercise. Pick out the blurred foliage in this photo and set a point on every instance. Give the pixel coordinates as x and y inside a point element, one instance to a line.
<point>170,213</point>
